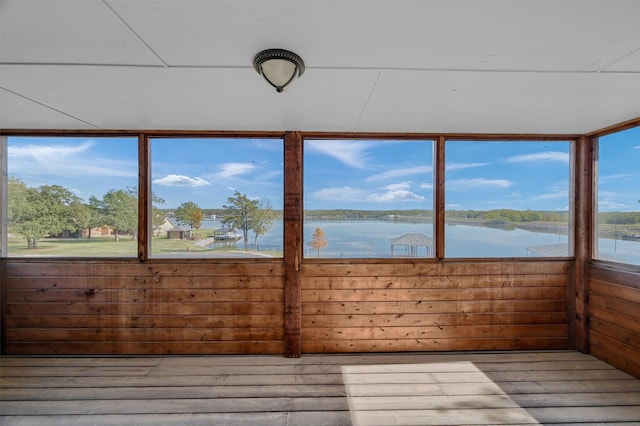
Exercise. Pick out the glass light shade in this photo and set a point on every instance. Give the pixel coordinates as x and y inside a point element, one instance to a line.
<point>279,72</point>
<point>278,66</point>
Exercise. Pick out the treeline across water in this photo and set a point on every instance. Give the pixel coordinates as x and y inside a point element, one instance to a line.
<point>515,216</point>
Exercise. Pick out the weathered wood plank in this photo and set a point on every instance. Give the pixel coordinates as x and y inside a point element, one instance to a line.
<point>615,275</point>
<point>616,353</point>
<point>147,348</point>
<point>433,282</point>
<point>623,321</point>
<point>614,290</point>
<point>153,282</point>
<point>155,308</point>
<point>228,419</point>
<point>142,334</point>
<point>422,295</point>
<point>453,268</point>
<point>435,332</point>
<point>613,332</point>
<point>400,345</point>
<point>144,321</point>
<point>614,304</point>
<point>143,295</point>
<point>422,320</point>
<point>430,307</point>
<point>267,267</point>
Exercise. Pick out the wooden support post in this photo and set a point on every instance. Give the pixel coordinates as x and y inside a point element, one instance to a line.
<point>584,199</point>
<point>4,197</point>
<point>144,197</point>
<point>293,215</point>
<point>439,211</point>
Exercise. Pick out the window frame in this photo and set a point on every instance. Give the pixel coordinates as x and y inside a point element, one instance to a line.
<point>571,199</point>
<point>595,139</point>
<point>4,161</point>
<point>430,138</point>
<point>145,246</point>
<point>439,138</point>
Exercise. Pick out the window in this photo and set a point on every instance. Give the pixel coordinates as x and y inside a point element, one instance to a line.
<point>72,196</point>
<point>617,236</point>
<point>507,199</point>
<point>368,199</point>
<point>216,197</point>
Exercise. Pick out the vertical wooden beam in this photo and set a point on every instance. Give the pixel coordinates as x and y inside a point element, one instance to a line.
<point>4,197</point>
<point>293,216</point>
<point>584,200</point>
<point>144,198</point>
<point>439,210</point>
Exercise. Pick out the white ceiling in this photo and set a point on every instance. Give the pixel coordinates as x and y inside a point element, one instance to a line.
<point>455,66</point>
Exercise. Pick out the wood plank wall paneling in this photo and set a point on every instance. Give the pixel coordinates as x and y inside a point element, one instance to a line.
<point>614,304</point>
<point>66,307</point>
<point>111,307</point>
<point>434,306</point>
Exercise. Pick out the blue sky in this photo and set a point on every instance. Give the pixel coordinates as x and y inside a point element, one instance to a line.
<point>208,171</point>
<point>619,171</point>
<point>368,175</point>
<point>507,175</point>
<point>358,174</point>
<point>86,166</point>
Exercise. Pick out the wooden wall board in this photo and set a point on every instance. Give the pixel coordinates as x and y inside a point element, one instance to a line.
<point>614,304</point>
<point>441,307</point>
<point>78,307</point>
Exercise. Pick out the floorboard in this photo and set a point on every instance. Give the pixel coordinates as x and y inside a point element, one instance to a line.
<point>483,388</point>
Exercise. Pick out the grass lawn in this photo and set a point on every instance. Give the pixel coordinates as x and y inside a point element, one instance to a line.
<point>108,247</point>
<point>81,247</point>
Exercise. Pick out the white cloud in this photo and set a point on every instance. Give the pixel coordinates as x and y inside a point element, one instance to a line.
<point>351,153</point>
<point>553,195</point>
<point>614,178</point>
<point>462,184</point>
<point>47,152</point>
<point>345,193</point>
<point>637,147</point>
<point>230,170</point>
<point>426,185</point>
<point>461,166</point>
<point>539,157</point>
<point>395,195</point>
<point>395,173</point>
<point>608,205</point>
<point>179,180</point>
<point>397,186</point>
<point>67,160</point>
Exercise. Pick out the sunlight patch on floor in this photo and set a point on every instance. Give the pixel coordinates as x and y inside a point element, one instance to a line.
<point>450,393</point>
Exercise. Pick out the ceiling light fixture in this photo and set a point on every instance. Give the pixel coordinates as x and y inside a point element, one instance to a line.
<point>279,67</point>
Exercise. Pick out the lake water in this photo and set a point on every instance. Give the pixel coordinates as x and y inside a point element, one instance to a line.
<point>372,238</point>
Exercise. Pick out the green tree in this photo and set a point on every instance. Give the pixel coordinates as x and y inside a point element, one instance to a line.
<point>80,216</point>
<point>262,221</point>
<point>97,218</point>
<point>239,213</point>
<point>118,210</point>
<point>189,213</point>
<point>35,213</point>
<point>319,240</point>
<point>157,216</point>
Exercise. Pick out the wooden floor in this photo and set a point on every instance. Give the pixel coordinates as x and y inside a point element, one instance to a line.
<point>373,389</point>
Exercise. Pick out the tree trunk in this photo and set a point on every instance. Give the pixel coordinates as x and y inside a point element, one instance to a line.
<point>32,243</point>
